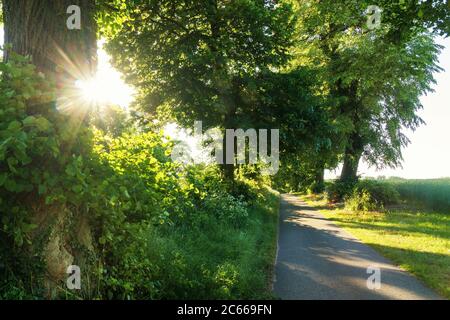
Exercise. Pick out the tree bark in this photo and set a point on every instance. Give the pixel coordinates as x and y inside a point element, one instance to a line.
<point>38,28</point>
<point>319,179</point>
<point>355,143</point>
<point>352,157</point>
<point>350,169</point>
<point>225,89</point>
<point>228,168</point>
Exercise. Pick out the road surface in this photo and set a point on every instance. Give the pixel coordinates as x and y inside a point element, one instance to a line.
<point>318,260</point>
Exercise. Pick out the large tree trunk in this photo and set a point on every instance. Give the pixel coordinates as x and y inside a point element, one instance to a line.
<point>350,169</point>
<point>225,91</point>
<point>319,179</point>
<point>38,28</point>
<point>355,143</point>
<point>228,168</point>
<point>352,157</point>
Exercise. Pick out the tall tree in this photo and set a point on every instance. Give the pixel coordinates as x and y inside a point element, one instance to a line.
<point>201,58</point>
<point>293,102</point>
<point>375,79</point>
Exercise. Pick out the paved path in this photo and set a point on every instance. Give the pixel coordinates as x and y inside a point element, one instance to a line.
<point>318,260</point>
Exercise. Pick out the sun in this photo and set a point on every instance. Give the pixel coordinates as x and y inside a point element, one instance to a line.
<point>107,87</point>
<point>93,91</point>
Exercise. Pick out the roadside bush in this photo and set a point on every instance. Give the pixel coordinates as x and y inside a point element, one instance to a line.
<point>361,200</point>
<point>371,195</point>
<point>227,208</point>
<point>138,225</point>
<point>244,190</point>
<point>338,191</point>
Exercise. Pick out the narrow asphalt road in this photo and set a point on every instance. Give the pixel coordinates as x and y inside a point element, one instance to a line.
<point>318,260</point>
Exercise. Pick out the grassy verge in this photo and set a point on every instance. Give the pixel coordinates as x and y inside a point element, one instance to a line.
<point>212,259</point>
<point>220,261</point>
<point>417,241</point>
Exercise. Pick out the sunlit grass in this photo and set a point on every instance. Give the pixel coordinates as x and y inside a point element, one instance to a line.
<point>222,262</point>
<point>418,242</point>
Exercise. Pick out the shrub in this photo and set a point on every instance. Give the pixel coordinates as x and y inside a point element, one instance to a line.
<point>244,190</point>
<point>371,195</point>
<point>338,191</point>
<point>227,208</point>
<point>151,229</point>
<point>361,200</point>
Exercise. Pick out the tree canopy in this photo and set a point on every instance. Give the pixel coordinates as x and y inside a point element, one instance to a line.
<point>374,80</point>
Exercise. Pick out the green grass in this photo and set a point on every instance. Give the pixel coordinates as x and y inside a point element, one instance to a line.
<point>221,261</point>
<point>417,241</point>
<point>433,193</point>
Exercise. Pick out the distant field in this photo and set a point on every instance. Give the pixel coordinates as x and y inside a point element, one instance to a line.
<point>433,194</point>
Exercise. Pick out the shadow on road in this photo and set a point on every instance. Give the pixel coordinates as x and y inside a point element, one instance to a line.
<point>318,260</point>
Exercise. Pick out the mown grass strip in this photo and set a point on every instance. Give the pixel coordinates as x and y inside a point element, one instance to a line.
<point>418,242</point>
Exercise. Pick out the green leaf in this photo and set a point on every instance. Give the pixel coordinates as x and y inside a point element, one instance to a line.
<point>18,238</point>
<point>77,189</point>
<point>70,170</point>
<point>29,121</point>
<point>27,227</point>
<point>12,162</point>
<point>420,14</point>
<point>3,177</point>
<point>43,124</point>
<point>14,126</point>
<point>42,189</point>
<point>10,185</point>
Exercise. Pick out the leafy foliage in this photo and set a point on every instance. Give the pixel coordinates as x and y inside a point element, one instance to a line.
<point>200,57</point>
<point>374,81</point>
<point>364,195</point>
<point>37,148</point>
<point>339,190</point>
<point>371,195</point>
<point>150,220</point>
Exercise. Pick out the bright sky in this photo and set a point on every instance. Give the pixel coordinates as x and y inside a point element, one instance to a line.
<point>428,155</point>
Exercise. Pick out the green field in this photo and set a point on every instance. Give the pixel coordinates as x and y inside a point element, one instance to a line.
<point>432,194</point>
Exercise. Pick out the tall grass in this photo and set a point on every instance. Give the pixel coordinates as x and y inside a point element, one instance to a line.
<point>432,193</point>
<point>222,262</point>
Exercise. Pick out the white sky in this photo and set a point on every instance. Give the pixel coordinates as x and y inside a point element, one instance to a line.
<point>428,155</point>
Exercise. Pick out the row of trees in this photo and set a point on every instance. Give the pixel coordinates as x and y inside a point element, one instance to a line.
<point>373,78</point>
<point>337,90</point>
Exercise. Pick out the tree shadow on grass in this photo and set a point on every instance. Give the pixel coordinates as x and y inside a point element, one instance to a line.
<point>405,229</point>
<point>431,268</point>
<point>317,260</point>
